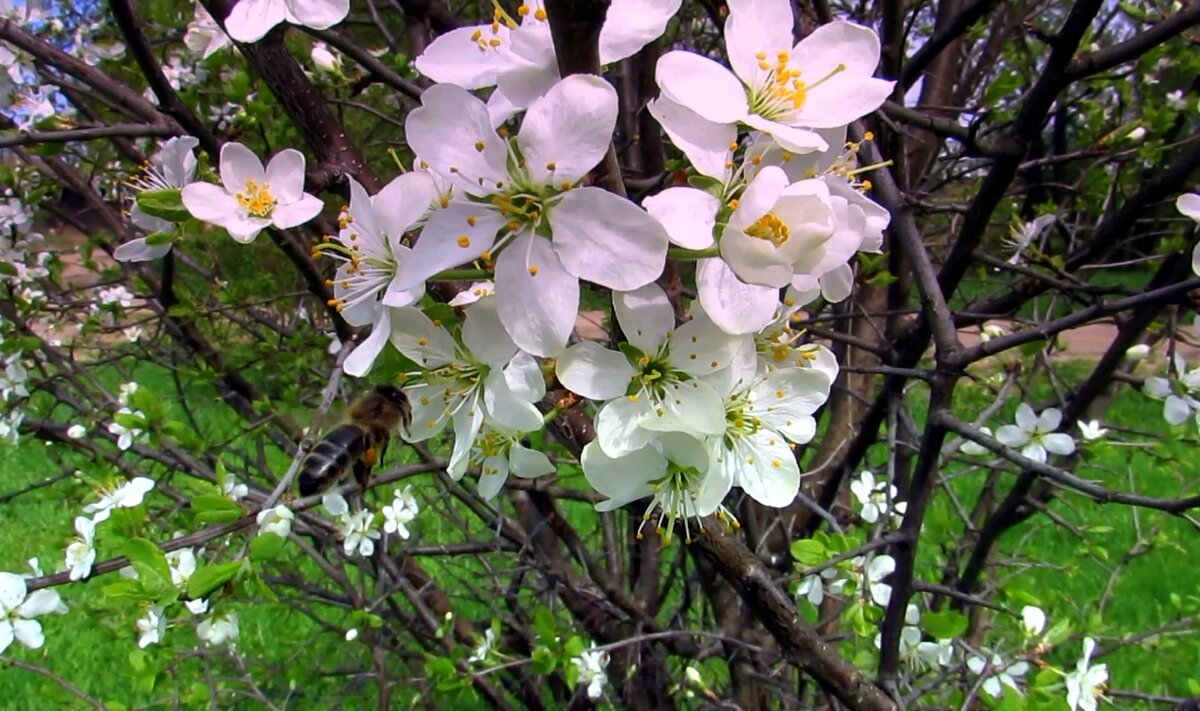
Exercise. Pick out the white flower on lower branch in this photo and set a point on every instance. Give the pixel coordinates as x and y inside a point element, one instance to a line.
<point>18,610</point>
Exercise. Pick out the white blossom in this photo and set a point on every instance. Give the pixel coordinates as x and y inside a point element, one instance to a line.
<point>250,197</point>
<point>218,629</point>
<point>173,167</point>
<point>1180,395</point>
<point>359,532</point>
<point>277,521</point>
<point>1091,430</point>
<point>974,448</point>
<point>591,664</point>
<point>814,588</point>
<point>127,495</point>
<point>996,674</point>
<point>877,498</point>
<point>1033,620</point>
<point>81,553</point>
<point>485,647</point>
<point>250,20</point>
<point>152,627</point>
<point>400,512</point>
<point>76,431</point>
<point>18,610</point>
<point>181,564</point>
<point>1086,683</point>
<point>545,230</point>
<point>204,36</point>
<point>1035,434</point>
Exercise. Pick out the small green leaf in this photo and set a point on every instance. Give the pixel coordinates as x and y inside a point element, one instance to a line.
<point>215,508</point>
<point>143,552</point>
<point>207,579</point>
<point>126,590</point>
<point>810,552</point>
<point>164,204</point>
<point>158,238</point>
<point>7,269</point>
<point>267,546</point>
<point>947,624</point>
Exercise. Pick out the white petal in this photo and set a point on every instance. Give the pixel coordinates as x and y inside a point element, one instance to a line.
<point>594,371</point>
<point>734,305</point>
<point>704,142</point>
<point>1026,419</point>
<point>541,325</point>
<point>566,132</point>
<point>139,250</point>
<point>632,24</point>
<point>1176,410</point>
<point>239,165</point>
<point>529,463</point>
<point>249,20</point>
<point>319,14</point>
<point>359,362</point>
<point>837,284</point>
<point>402,202</point>
<point>1034,451</point>
<point>506,409</point>
<point>209,203</point>
<point>622,479</point>
<point>454,58</point>
<point>28,633</point>
<point>1188,204</point>
<point>285,175</point>
<point>429,410</point>
<point>449,130</point>
<point>297,213</point>
<point>524,378</point>
<point>1157,387</point>
<point>420,340</point>
<point>850,53</point>
<point>467,421</point>
<point>607,240</point>
<point>1050,419</point>
<point>692,407</point>
<point>645,316</point>
<point>6,635</point>
<point>768,471</point>
<point>494,474</point>
<point>453,236</point>
<point>12,591</point>
<point>687,214</point>
<point>699,347</point>
<point>755,26</point>
<point>792,138</point>
<point>1058,443</point>
<point>1012,436</point>
<point>703,86</point>
<point>618,428</point>
<point>484,335</point>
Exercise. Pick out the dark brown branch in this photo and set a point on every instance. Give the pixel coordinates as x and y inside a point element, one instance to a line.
<point>91,133</point>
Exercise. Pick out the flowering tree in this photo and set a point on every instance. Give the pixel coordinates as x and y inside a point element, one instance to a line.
<point>706,313</point>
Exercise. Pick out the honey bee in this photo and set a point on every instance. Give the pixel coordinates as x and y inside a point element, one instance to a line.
<point>360,441</point>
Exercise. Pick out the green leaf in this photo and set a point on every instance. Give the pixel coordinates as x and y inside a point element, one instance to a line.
<point>157,238</point>
<point>706,183</point>
<point>127,590</point>
<point>267,546</point>
<point>810,552</point>
<point>215,508</point>
<point>544,660</point>
<point>946,624</point>
<point>139,551</point>
<point>544,626</point>
<point>164,204</point>
<point>207,579</point>
<point>7,269</point>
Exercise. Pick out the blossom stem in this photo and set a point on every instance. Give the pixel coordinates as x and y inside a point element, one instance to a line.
<point>461,274</point>
<point>691,255</point>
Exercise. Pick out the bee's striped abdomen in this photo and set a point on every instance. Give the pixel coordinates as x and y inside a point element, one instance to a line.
<point>332,458</point>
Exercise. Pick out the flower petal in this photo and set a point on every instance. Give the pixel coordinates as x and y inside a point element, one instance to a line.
<point>529,266</point>
<point>209,203</point>
<point>29,633</point>
<point>359,362</point>
<point>12,591</point>
<point>567,132</point>
<point>285,175</point>
<point>704,142</point>
<point>239,165</point>
<point>139,250</point>
<point>1058,443</point>
<point>452,236</point>
<point>687,214</point>
<point>1012,436</point>
<point>529,463</point>
<point>622,479</point>
<point>732,304</point>
<point>1026,418</point>
<point>483,334</point>
<point>319,14</point>
<point>699,347</point>
<point>691,406</point>
<point>618,428</point>
<point>452,132</point>
<point>493,474</point>
<point>1188,204</point>
<point>632,24</point>
<point>607,240</point>
<point>420,340</point>
<point>594,371</point>
<point>249,20</point>
<point>754,27</point>
<point>402,202</point>
<point>456,58</point>
<point>297,213</point>
<point>703,86</point>
<point>767,471</point>
<point>645,316</point>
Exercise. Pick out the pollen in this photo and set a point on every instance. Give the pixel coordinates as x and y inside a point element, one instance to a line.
<point>424,399</point>
<point>565,185</point>
<point>533,270</point>
<point>422,341</point>
<point>779,393</point>
<point>494,42</point>
<point>480,145</point>
<point>523,10</point>
<point>733,145</point>
<point>444,201</point>
<point>431,423</point>
<point>540,15</point>
<point>471,220</point>
<point>463,241</point>
<point>771,228</point>
<point>552,166</point>
<point>256,199</point>
<point>776,463</point>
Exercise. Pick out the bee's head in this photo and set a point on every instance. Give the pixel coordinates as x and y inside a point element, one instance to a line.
<point>393,394</point>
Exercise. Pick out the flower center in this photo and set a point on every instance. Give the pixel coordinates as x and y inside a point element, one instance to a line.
<point>771,228</point>
<point>256,199</point>
<point>779,90</point>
